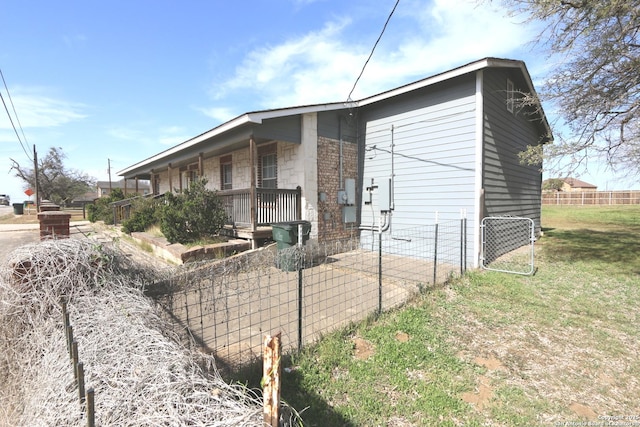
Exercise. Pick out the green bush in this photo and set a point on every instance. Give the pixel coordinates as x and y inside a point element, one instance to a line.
<point>191,215</point>
<point>101,210</point>
<point>145,212</point>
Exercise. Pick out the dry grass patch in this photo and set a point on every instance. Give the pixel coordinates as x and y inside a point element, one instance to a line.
<point>561,345</point>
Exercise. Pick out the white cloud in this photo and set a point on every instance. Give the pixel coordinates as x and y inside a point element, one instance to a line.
<point>172,135</point>
<point>321,66</point>
<point>220,114</point>
<point>75,40</point>
<point>127,134</point>
<point>39,111</point>
<point>145,134</point>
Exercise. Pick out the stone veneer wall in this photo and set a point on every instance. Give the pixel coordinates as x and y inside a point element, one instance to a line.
<point>330,224</point>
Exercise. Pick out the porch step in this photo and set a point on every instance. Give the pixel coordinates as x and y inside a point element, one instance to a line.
<point>263,232</point>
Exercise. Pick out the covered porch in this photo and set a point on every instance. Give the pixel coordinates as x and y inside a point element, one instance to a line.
<point>251,211</point>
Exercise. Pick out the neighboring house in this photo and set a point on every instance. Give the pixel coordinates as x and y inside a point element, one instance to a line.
<point>567,185</point>
<point>447,144</point>
<point>88,197</point>
<point>572,184</point>
<point>133,186</point>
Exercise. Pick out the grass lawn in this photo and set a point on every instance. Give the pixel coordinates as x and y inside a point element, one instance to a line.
<point>493,348</point>
<point>31,217</point>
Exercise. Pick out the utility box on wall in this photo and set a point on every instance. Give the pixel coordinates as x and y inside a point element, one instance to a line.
<point>386,198</point>
<point>348,214</point>
<point>348,195</point>
<point>350,189</point>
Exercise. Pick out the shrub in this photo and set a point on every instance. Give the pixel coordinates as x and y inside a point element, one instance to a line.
<point>101,210</point>
<point>193,214</point>
<point>145,212</point>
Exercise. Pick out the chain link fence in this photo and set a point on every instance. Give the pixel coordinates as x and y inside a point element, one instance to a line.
<point>508,245</point>
<point>226,307</point>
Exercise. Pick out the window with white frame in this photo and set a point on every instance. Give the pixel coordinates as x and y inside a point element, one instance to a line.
<point>267,172</point>
<point>226,173</point>
<point>268,166</point>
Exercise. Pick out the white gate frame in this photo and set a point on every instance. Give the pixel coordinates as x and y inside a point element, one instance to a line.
<point>511,235</point>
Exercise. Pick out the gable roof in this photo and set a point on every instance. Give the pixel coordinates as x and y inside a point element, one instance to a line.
<point>257,117</point>
<point>576,183</point>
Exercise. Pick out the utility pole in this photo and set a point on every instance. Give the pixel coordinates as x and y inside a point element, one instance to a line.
<point>109,171</point>
<point>35,169</point>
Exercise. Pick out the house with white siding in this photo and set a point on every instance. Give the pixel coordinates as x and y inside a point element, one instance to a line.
<point>434,149</point>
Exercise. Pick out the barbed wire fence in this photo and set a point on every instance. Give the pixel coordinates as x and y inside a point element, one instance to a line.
<point>226,307</point>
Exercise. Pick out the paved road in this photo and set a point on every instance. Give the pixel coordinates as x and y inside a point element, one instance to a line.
<point>13,236</point>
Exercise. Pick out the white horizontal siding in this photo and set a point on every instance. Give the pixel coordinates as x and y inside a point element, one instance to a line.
<point>433,162</point>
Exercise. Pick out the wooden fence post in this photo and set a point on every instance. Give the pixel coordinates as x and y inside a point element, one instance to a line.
<point>80,369</point>
<point>91,417</point>
<point>74,351</point>
<point>271,379</point>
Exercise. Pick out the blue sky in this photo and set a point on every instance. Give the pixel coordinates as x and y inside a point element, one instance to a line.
<point>123,80</point>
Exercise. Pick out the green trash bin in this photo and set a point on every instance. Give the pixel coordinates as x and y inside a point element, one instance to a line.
<point>289,257</point>
<point>18,208</point>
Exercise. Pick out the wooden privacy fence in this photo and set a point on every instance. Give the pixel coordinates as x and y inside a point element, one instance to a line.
<point>591,198</point>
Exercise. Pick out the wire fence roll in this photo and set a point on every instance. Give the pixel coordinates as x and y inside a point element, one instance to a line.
<point>135,371</point>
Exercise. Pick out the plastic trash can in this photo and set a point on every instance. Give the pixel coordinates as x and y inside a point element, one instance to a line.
<point>18,208</point>
<point>289,258</point>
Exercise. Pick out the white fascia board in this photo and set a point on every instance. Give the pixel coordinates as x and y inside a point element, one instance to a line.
<point>254,117</point>
<point>447,75</point>
<point>259,116</point>
<point>189,143</point>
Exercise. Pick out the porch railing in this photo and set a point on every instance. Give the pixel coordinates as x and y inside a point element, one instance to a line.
<point>122,208</point>
<point>270,205</point>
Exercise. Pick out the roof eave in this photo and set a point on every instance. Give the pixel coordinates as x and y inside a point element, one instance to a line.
<point>256,117</point>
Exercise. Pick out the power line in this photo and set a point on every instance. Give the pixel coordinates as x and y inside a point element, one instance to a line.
<point>372,50</point>
<point>16,114</point>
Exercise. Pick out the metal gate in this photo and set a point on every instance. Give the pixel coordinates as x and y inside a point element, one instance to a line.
<point>507,244</point>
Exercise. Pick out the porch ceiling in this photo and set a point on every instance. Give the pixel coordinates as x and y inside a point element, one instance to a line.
<point>210,147</point>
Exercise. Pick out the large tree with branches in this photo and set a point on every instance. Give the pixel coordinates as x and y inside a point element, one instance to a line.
<point>56,183</point>
<point>595,84</point>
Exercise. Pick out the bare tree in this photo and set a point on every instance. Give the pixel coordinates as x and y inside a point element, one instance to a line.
<point>57,184</point>
<point>596,83</point>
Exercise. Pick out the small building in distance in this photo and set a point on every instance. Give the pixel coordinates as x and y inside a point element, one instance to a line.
<point>133,187</point>
<point>567,185</point>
